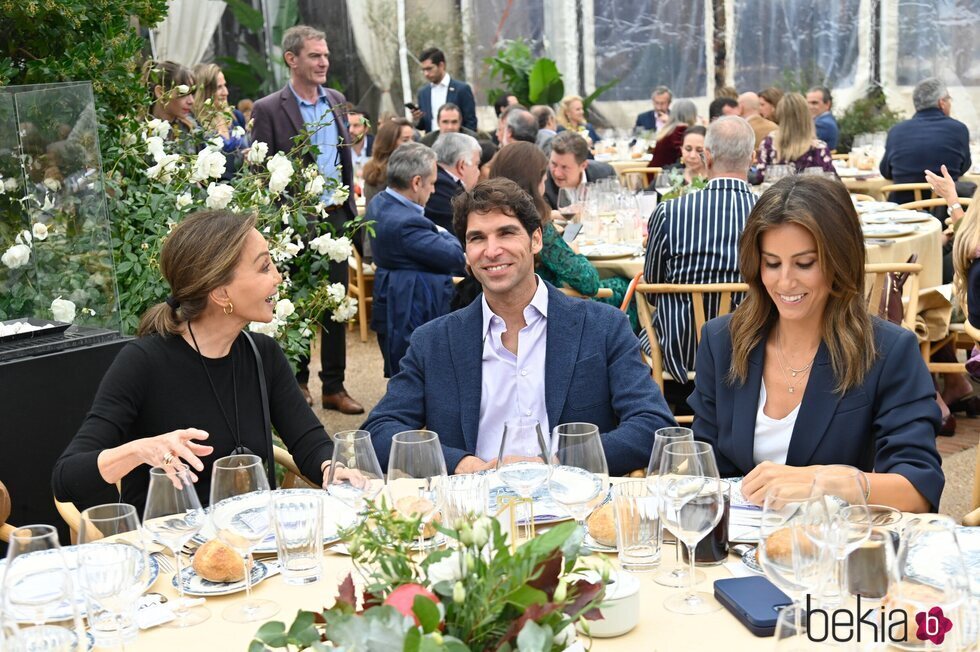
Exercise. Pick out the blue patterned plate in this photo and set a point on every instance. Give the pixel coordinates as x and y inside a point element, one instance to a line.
<point>194,584</point>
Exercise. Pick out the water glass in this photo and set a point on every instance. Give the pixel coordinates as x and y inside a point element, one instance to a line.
<point>37,601</point>
<point>792,632</point>
<point>523,463</point>
<point>298,520</point>
<point>580,477</point>
<point>676,576</point>
<point>353,450</point>
<point>465,497</point>
<point>113,571</point>
<point>638,534</point>
<point>416,473</point>
<point>846,491</point>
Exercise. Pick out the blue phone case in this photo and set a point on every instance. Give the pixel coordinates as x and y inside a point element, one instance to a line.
<point>755,601</point>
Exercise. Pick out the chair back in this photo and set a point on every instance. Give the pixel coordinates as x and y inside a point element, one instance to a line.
<point>601,293</point>
<point>637,178</point>
<point>974,333</point>
<point>915,188</point>
<point>932,203</point>
<point>293,477</point>
<point>878,282</point>
<point>856,196</point>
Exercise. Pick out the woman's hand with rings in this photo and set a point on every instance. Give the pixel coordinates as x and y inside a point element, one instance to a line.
<point>172,449</point>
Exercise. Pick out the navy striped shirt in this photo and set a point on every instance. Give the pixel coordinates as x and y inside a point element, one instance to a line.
<point>694,239</point>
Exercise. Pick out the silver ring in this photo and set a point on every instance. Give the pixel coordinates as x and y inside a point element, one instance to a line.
<point>168,458</point>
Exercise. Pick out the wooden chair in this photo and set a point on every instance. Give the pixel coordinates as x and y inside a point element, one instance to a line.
<point>5,528</point>
<point>973,518</point>
<point>910,290</point>
<point>932,203</point>
<point>839,157</point>
<point>293,478</point>
<point>71,516</point>
<point>601,293</point>
<point>697,293</point>
<point>916,189</point>
<point>629,176</point>
<point>360,283</point>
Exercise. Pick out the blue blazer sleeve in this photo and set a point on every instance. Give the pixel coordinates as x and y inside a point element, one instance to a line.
<point>425,105</point>
<point>703,402</point>
<point>466,103</point>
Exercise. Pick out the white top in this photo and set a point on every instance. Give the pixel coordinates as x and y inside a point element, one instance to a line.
<point>772,436</point>
<point>438,98</point>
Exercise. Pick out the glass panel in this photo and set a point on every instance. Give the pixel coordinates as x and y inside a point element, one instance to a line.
<point>795,44</point>
<point>938,38</point>
<point>494,21</point>
<point>646,43</point>
<point>52,169</point>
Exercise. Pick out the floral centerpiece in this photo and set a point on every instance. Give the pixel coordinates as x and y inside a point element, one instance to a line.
<point>478,595</point>
<point>677,186</point>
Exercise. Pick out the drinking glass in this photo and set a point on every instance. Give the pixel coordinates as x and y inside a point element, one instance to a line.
<point>465,497</point>
<point>173,515</point>
<point>523,463</point>
<point>791,633</point>
<point>872,566</point>
<point>794,516</point>
<point>638,531</point>
<point>570,203</point>
<point>845,488</point>
<point>241,510</point>
<point>579,479</point>
<point>113,570</point>
<point>352,449</point>
<point>678,575</point>
<point>37,584</point>
<point>691,505</point>
<point>662,183</point>
<point>416,471</point>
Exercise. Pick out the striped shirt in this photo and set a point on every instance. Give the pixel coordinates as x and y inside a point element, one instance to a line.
<point>694,239</point>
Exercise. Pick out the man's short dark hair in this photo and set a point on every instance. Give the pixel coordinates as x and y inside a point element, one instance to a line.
<point>498,194</point>
<point>434,55</point>
<point>824,93</point>
<point>501,103</point>
<point>717,106</point>
<point>448,106</point>
<point>523,125</point>
<point>569,142</point>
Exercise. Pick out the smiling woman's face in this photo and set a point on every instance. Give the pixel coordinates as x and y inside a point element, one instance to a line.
<point>792,275</point>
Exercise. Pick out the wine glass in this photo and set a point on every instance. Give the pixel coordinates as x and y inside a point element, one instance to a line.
<point>37,584</point>
<point>523,462</point>
<point>846,489</point>
<point>579,478</point>
<point>353,450</point>
<point>691,505</point>
<point>569,203</point>
<point>794,516</point>
<point>662,183</point>
<point>678,575</point>
<point>113,570</point>
<point>416,470</point>
<point>792,633</point>
<point>241,510</point>
<point>172,516</point>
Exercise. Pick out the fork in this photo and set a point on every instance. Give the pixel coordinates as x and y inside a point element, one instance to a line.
<point>166,565</point>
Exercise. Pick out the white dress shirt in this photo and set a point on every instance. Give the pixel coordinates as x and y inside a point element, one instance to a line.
<point>513,385</point>
<point>438,98</point>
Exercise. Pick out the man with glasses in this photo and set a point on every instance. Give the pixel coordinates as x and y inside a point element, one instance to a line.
<point>440,90</point>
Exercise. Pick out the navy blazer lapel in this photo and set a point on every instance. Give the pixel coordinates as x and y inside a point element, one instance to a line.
<point>291,109</point>
<point>466,351</point>
<point>816,411</point>
<point>744,408</point>
<point>564,329</point>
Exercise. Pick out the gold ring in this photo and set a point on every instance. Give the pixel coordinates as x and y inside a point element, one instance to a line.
<point>168,459</point>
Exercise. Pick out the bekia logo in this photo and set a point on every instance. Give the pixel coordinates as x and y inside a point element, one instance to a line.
<point>874,624</point>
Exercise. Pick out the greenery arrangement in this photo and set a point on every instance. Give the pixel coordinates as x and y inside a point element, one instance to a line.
<point>867,115</point>
<point>677,186</point>
<point>530,80</point>
<point>479,595</point>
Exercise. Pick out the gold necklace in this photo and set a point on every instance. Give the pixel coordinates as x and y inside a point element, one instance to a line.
<point>783,366</point>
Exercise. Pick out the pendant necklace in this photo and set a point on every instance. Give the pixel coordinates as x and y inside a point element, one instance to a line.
<point>236,431</point>
<point>783,366</point>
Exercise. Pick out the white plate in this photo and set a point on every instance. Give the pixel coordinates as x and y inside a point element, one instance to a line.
<point>336,516</point>
<point>845,173</point>
<point>43,560</point>
<point>546,510</point>
<point>929,569</point>
<point>896,217</point>
<point>887,230</point>
<point>595,546</point>
<point>608,251</point>
<point>874,206</point>
<point>194,584</point>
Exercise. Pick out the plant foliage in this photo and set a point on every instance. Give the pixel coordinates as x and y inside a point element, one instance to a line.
<point>867,115</point>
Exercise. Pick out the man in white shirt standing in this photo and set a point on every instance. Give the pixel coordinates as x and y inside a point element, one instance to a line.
<point>441,89</point>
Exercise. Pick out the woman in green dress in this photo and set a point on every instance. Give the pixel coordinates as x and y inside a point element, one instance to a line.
<point>525,164</point>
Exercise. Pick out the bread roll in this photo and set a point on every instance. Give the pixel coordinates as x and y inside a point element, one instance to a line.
<point>602,525</point>
<point>218,562</point>
<point>779,544</point>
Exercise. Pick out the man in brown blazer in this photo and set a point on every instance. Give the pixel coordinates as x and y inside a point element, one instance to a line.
<point>305,104</point>
<point>749,103</point>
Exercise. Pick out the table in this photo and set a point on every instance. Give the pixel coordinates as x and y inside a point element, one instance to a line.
<point>870,186</point>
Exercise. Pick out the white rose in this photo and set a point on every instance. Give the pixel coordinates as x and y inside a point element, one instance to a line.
<point>293,248</point>
<point>3,187</point>
<point>208,164</point>
<point>40,231</point>
<point>271,328</point>
<point>183,89</point>
<point>257,153</point>
<point>336,292</point>
<point>48,203</point>
<point>340,195</point>
<point>284,308</point>
<point>218,195</point>
<point>183,201</point>
<point>281,169</point>
<point>448,569</point>
<point>63,310</point>
<point>345,311</point>
<point>237,131</point>
<point>154,146</point>
<point>52,184</point>
<point>10,184</point>
<point>314,187</point>
<point>24,238</point>
<point>129,140</point>
<point>216,143</point>
<point>164,169</point>
<point>158,127</point>
<point>17,256</point>
<point>278,182</point>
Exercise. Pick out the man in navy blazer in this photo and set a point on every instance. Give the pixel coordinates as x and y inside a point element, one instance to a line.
<point>416,259</point>
<point>657,117</point>
<point>522,351</point>
<point>441,89</point>
<point>305,104</point>
<point>458,156</point>
<point>819,101</point>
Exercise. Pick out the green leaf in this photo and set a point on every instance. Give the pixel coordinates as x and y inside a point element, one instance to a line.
<point>427,612</point>
<point>413,639</point>
<point>303,632</point>
<point>257,646</point>
<point>272,634</point>
<point>594,95</point>
<point>534,638</point>
<point>544,83</point>
<point>526,596</point>
<point>250,18</point>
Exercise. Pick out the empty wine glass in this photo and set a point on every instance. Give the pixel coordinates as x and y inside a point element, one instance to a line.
<point>353,450</point>
<point>241,510</point>
<point>691,505</point>
<point>662,183</point>
<point>173,515</point>
<point>678,575</point>
<point>523,463</point>
<point>846,489</point>
<point>416,470</point>
<point>38,607</point>
<point>113,570</point>
<point>579,479</point>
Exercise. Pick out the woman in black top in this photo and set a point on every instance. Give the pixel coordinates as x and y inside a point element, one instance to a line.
<point>187,389</point>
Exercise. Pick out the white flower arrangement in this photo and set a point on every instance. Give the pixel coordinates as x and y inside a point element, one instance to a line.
<point>219,195</point>
<point>336,249</point>
<point>16,256</point>
<point>208,164</point>
<point>257,153</point>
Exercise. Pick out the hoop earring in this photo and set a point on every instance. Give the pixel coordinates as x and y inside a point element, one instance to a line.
<point>230,308</point>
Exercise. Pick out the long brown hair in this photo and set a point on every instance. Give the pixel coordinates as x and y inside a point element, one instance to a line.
<point>524,164</point>
<point>199,255</point>
<point>168,75</point>
<point>796,132</point>
<point>385,142</point>
<point>211,116</point>
<point>822,207</point>
<point>965,250</point>
<point>772,95</point>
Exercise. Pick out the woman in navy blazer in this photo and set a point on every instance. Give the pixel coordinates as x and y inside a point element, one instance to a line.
<point>800,375</point>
